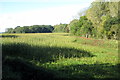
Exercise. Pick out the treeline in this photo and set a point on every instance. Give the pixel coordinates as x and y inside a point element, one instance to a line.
<point>101,20</point>
<point>39,29</point>
<point>31,29</point>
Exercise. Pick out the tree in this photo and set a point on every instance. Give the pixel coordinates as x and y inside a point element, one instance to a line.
<point>32,29</point>
<point>9,30</point>
<point>104,16</point>
<point>111,27</point>
<point>86,26</point>
<point>73,26</point>
<point>61,28</point>
<point>81,27</point>
<point>19,30</point>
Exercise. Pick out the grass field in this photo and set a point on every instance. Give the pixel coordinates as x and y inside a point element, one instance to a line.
<point>56,56</point>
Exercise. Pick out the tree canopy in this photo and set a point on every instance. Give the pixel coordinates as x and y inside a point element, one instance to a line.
<point>101,20</point>
<point>31,29</point>
<point>61,28</point>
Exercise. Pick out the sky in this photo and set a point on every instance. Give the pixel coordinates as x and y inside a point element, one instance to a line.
<point>39,12</point>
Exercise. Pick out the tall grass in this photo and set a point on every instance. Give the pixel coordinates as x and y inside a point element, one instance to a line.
<point>58,56</point>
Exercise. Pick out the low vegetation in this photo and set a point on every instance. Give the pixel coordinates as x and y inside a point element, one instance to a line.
<point>86,48</point>
<point>56,56</point>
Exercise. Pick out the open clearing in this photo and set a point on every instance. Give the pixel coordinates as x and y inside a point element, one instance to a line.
<point>51,56</point>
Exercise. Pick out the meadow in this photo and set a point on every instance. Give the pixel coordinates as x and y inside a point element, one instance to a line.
<point>58,56</point>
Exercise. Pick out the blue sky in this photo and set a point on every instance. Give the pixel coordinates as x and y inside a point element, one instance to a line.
<point>10,7</point>
<point>22,6</point>
<point>23,13</point>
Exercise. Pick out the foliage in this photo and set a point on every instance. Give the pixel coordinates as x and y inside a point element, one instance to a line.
<point>83,26</point>
<point>86,27</point>
<point>104,16</point>
<point>100,21</point>
<point>111,27</point>
<point>10,30</point>
<point>74,25</point>
<point>31,29</point>
<point>61,28</point>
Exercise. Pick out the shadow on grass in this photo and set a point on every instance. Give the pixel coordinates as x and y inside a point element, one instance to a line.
<point>8,36</point>
<point>16,65</point>
<point>16,57</point>
<point>42,53</point>
<point>18,69</point>
<point>89,71</point>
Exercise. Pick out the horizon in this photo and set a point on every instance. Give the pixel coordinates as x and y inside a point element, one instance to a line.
<point>40,13</point>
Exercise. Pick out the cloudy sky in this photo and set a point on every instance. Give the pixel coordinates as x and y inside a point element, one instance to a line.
<point>33,12</point>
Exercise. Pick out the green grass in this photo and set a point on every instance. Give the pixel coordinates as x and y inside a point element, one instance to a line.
<point>58,56</point>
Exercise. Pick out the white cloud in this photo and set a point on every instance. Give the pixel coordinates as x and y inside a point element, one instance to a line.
<point>52,16</point>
